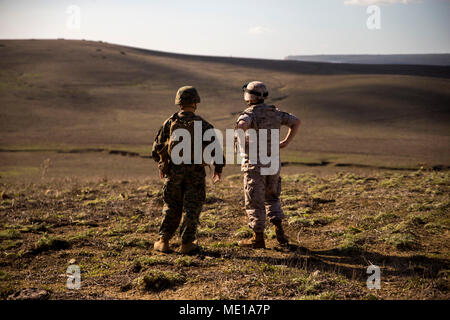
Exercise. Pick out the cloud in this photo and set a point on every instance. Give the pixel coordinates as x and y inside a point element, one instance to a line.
<point>259,30</point>
<point>371,2</point>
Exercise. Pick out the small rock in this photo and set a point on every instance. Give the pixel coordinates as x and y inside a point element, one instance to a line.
<point>315,274</point>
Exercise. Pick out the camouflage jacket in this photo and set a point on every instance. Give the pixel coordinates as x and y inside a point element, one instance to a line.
<point>164,134</point>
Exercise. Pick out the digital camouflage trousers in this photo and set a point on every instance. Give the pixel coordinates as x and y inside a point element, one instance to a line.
<point>262,198</point>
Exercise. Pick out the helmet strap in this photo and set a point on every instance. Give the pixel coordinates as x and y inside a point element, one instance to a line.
<point>254,102</point>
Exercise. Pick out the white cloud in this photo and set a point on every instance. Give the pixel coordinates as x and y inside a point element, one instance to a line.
<point>371,2</point>
<point>259,30</point>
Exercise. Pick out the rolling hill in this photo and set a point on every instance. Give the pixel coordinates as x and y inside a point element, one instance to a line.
<point>76,94</point>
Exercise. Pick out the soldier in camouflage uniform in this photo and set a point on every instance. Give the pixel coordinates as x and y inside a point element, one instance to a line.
<point>262,192</point>
<point>184,186</point>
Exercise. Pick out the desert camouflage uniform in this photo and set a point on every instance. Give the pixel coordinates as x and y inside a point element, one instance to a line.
<point>262,193</point>
<point>184,187</point>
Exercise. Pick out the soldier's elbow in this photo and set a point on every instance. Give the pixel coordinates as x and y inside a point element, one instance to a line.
<point>242,125</point>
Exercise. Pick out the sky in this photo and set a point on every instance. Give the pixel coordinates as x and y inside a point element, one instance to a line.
<point>256,29</point>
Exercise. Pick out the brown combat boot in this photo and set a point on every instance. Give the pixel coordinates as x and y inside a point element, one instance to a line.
<point>257,242</point>
<point>281,237</point>
<point>162,245</point>
<point>189,247</point>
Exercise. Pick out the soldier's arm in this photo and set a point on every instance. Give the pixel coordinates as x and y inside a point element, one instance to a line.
<point>293,123</point>
<point>218,168</point>
<point>159,142</point>
<point>244,122</point>
<point>242,125</point>
<point>156,146</point>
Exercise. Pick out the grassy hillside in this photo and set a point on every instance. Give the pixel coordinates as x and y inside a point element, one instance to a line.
<point>77,120</point>
<point>58,94</point>
<point>339,223</point>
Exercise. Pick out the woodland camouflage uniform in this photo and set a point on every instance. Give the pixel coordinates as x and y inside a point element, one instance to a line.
<point>184,185</point>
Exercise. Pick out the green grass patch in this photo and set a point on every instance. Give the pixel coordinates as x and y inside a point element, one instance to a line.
<point>95,202</point>
<point>3,275</point>
<point>402,241</point>
<point>9,234</point>
<point>300,222</point>
<point>185,261</point>
<point>18,171</point>
<point>117,231</point>
<point>306,284</point>
<point>235,177</point>
<point>10,244</point>
<point>48,243</point>
<point>385,216</point>
<point>221,244</point>
<point>205,232</point>
<point>244,233</point>
<point>134,242</point>
<point>352,243</point>
<point>153,260</point>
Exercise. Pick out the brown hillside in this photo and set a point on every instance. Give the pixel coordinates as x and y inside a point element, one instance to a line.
<point>83,93</point>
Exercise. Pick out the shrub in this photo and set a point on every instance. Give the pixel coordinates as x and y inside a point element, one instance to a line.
<point>156,280</point>
<point>49,243</point>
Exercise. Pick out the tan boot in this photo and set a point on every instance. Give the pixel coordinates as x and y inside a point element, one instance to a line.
<point>257,242</point>
<point>162,245</point>
<point>189,247</point>
<point>281,237</point>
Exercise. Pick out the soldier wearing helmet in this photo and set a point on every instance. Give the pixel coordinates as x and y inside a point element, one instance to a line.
<point>184,184</point>
<point>187,96</point>
<point>262,192</point>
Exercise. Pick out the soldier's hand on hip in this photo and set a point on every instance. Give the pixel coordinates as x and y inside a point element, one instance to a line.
<point>216,177</point>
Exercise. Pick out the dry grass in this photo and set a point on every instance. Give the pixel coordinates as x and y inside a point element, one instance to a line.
<point>339,223</point>
<point>76,183</point>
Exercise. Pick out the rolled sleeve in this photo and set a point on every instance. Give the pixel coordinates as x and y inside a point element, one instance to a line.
<point>246,118</point>
<point>288,119</point>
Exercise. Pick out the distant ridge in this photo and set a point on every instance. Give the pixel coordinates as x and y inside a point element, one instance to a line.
<point>409,59</point>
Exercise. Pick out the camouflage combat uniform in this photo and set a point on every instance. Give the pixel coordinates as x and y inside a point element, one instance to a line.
<point>184,186</point>
<point>262,192</point>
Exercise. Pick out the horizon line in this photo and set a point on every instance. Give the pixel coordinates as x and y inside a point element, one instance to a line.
<point>223,56</point>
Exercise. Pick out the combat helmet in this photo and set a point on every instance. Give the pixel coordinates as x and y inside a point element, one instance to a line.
<point>255,90</point>
<point>187,95</point>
